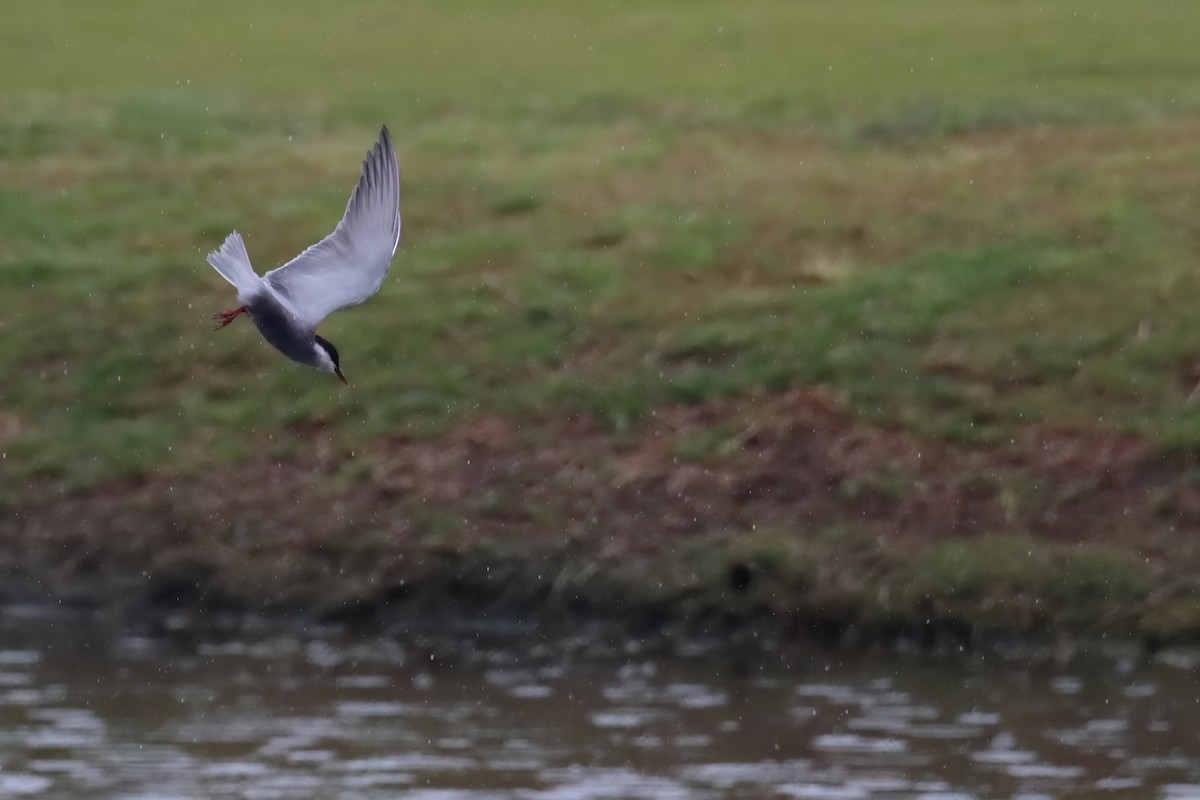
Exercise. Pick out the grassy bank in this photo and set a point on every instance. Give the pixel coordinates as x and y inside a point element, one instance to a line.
<point>968,228</point>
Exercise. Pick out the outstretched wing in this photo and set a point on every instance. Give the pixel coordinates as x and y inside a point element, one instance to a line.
<point>348,265</point>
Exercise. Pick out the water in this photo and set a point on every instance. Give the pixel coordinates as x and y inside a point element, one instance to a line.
<point>85,715</point>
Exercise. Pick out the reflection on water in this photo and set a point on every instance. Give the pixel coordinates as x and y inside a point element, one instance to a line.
<point>83,715</point>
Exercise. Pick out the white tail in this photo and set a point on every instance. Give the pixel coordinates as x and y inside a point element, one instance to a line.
<point>233,262</point>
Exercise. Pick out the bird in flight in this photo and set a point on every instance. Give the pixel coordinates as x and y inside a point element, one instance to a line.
<point>343,269</point>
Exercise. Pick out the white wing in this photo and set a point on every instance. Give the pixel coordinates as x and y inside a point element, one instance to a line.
<point>348,265</point>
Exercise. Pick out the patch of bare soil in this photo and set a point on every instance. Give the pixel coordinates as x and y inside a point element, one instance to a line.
<point>331,531</point>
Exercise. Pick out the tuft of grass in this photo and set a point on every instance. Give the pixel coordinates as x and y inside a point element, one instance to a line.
<point>1013,581</point>
<point>515,203</point>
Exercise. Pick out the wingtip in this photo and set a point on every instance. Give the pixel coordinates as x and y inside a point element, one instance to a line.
<point>382,145</point>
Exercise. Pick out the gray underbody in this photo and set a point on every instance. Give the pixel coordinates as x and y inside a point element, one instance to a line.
<point>282,330</point>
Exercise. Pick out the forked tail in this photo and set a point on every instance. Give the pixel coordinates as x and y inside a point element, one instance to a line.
<point>233,262</point>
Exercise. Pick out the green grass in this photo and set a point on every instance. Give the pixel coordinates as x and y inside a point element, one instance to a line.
<point>1008,583</point>
<point>964,218</point>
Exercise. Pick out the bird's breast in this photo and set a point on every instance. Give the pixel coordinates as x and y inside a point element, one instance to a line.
<point>281,330</point>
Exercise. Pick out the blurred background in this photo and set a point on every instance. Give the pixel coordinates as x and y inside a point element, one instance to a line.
<point>865,324</point>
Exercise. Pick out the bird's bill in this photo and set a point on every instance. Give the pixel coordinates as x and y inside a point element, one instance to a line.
<point>341,377</point>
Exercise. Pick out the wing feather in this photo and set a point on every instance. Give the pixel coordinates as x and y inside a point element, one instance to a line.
<point>348,265</point>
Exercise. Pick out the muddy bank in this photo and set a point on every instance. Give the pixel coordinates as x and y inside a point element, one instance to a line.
<point>777,516</point>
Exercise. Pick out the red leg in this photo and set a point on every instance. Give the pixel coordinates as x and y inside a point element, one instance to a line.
<point>227,317</point>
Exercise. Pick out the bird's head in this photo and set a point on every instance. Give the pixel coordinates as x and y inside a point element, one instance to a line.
<point>327,358</point>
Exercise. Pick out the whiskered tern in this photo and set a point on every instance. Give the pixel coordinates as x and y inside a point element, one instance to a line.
<point>343,269</point>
